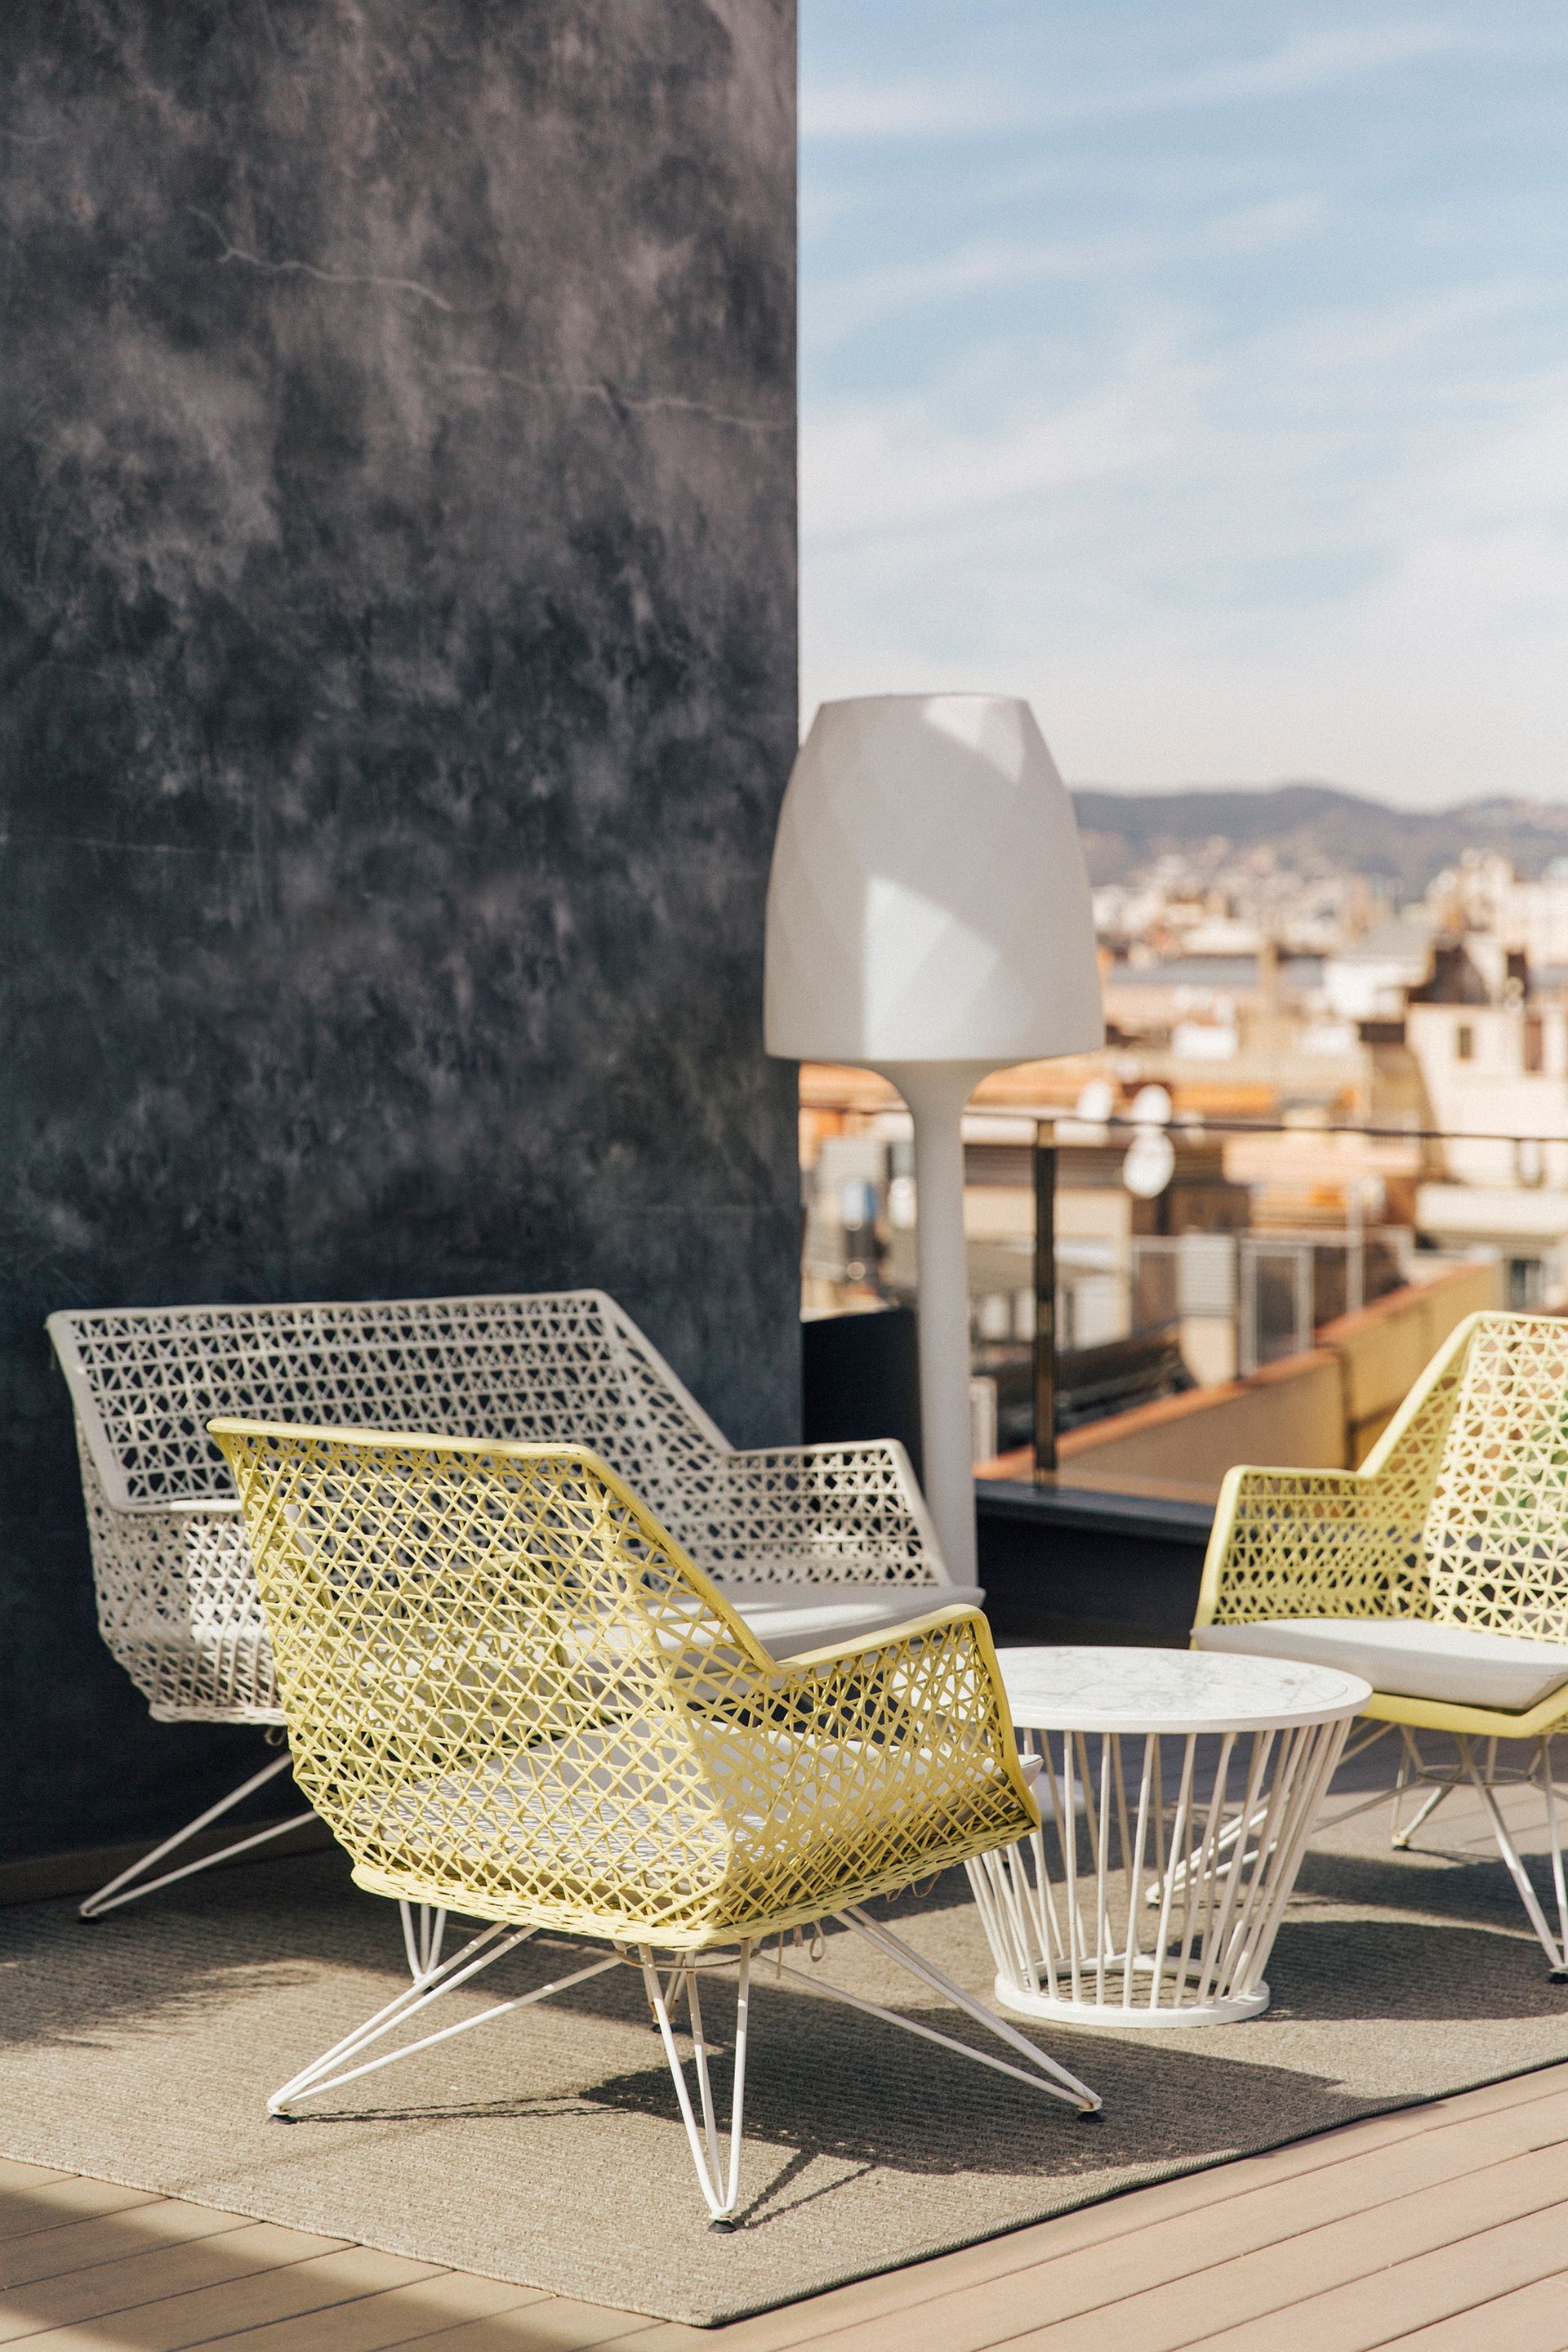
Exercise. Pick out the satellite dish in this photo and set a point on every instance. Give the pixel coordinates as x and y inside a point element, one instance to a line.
<point>1151,1108</point>
<point>1150,1164</point>
<point>1096,1102</point>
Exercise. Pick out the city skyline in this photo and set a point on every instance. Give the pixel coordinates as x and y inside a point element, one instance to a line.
<point>1200,374</point>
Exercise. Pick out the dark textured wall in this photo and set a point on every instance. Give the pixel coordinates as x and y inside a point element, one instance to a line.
<point>396,690</point>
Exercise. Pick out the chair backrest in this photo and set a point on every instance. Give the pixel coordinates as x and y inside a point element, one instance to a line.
<point>565,1367</point>
<point>504,1684</point>
<point>1496,1534</point>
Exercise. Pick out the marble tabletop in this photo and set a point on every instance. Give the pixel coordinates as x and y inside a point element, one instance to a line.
<point>1069,1689</point>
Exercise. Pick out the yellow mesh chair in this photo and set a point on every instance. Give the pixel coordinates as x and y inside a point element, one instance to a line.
<point>510,1694</point>
<point>1438,1570</point>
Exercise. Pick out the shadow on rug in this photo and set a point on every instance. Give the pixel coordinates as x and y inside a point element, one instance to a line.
<point>546,2147</point>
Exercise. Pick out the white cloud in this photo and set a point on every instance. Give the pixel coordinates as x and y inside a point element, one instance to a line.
<point>955,108</point>
<point>848,304</point>
<point>1235,479</point>
<point>871,470</point>
<point>1191,579</point>
<point>1329,345</point>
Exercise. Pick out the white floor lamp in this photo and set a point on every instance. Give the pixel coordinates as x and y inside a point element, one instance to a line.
<point>928,916</point>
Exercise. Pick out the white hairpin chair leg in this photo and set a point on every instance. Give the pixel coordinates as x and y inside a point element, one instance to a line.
<point>424,1932</point>
<point>718,2167</point>
<point>1483,1777</point>
<point>131,1885</point>
<point>344,2062</point>
<point>1041,2072</point>
<point>422,1926</point>
<point>1414,1772</point>
<point>719,2177</point>
<point>1481,1773</point>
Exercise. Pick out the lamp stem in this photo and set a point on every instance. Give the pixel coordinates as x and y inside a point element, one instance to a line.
<point>936,1093</point>
<point>1044,1301</point>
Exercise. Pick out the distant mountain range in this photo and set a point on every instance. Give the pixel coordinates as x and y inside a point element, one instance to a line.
<point>1315,828</point>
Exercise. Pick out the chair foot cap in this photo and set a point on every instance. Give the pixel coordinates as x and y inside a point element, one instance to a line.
<point>1557,1976</point>
<point>276,2116</point>
<point>725,2229</point>
<point>1088,2115</point>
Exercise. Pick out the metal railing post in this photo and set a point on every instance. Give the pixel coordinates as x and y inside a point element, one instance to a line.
<point>1355,1252</point>
<point>1302,1302</point>
<point>1044,1301</point>
<point>1246,1347</point>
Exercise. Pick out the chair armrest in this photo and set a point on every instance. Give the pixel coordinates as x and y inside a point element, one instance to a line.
<point>850,1657</point>
<point>817,1515</point>
<point>931,1692</point>
<point>1314,1543</point>
<point>197,1510</point>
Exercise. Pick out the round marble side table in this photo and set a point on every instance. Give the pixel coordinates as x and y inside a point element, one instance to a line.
<point>1177,1790</point>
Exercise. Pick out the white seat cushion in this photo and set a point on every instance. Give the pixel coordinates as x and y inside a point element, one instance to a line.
<point>1410,1657</point>
<point>787,1620</point>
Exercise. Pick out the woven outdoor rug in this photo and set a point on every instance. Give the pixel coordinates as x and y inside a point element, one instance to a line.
<point>546,2149</point>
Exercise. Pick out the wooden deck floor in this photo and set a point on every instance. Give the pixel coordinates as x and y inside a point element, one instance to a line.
<point>1444,2229</point>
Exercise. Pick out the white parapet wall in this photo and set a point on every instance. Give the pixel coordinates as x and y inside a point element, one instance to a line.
<point>1320,1410</point>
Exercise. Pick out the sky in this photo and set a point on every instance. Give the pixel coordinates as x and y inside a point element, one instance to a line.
<point>1200,372</point>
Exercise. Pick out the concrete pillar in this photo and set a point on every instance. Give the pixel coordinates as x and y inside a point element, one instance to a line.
<point>397,637</point>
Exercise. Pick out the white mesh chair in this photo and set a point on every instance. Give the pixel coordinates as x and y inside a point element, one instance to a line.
<point>811,1544</point>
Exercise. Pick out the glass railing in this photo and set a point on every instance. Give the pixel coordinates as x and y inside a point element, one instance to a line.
<point>1136,1272</point>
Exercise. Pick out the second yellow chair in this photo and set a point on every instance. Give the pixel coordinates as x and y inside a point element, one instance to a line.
<point>1439,1571</point>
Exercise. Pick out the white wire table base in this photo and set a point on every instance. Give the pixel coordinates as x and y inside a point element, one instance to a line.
<point>666,1984</point>
<point>1153,1892</point>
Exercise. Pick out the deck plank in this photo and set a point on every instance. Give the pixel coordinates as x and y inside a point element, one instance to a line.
<point>1256,2290</point>
<point>234,2248</point>
<point>231,2306</point>
<point>1464,2280</point>
<point>1429,2140</point>
<point>116,2237</point>
<point>16,2175</point>
<point>72,2198</point>
<point>421,2313</point>
<point>1528,2319</point>
<point>1160,2252</point>
<point>555,2323</point>
<point>1403,2223</point>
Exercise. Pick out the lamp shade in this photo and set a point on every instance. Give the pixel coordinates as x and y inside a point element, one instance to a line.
<point>929,900</point>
